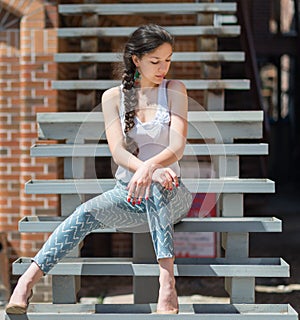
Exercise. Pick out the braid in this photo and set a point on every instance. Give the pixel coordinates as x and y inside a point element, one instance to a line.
<point>130,102</point>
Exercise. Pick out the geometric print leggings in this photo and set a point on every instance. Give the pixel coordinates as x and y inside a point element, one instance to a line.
<point>156,215</point>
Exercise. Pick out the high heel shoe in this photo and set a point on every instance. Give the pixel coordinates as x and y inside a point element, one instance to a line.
<point>13,308</point>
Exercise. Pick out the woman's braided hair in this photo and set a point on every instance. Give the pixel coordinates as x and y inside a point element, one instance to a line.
<point>143,40</point>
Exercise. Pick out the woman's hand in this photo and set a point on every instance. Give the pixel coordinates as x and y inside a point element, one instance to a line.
<point>166,177</point>
<point>139,185</point>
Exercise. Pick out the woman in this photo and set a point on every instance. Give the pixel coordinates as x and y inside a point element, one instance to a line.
<point>145,120</point>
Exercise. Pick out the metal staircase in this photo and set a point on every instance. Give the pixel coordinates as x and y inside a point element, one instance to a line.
<point>221,128</point>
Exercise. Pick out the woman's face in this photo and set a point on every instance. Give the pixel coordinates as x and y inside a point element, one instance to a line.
<point>154,66</point>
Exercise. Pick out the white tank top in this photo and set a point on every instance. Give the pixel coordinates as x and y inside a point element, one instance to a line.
<point>151,137</point>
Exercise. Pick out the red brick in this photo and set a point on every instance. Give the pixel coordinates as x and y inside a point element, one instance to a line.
<point>9,210</point>
<point>9,144</point>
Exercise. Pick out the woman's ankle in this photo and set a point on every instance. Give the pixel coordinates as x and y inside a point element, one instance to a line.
<point>167,282</point>
<point>167,293</point>
<point>167,299</point>
<point>30,277</point>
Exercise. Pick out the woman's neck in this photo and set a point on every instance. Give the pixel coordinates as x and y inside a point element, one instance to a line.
<point>144,85</point>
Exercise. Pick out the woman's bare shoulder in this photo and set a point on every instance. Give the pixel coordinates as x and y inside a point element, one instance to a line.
<point>177,86</point>
<point>111,95</point>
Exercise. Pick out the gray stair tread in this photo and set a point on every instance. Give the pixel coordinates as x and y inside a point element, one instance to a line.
<point>212,84</point>
<point>147,311</point>
<point>208,224</point>
<point>218,56</point>
<point>219,125</point>
<point>98,186</point>
<point>220,31</point>
<point>218,267</point>
<point>102,150</point>
<point>203,116</point>
<point>147,8</point>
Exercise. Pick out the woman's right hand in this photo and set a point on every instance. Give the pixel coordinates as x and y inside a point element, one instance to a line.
<point>140,183</point>
<point>166,177</point>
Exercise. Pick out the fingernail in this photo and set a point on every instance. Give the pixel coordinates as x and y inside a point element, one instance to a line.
<point>128,199</point>
<point>177,185</point>
<point>139,202</point>
<point>133,203</point>
<point>147,198</point>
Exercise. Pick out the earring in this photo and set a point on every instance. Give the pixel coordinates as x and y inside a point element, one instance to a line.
<point>136,78</point>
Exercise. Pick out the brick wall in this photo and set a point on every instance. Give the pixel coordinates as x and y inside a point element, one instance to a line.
<point>26,71</point>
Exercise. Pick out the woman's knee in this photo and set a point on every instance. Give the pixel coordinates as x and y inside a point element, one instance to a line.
<point>88,218</point>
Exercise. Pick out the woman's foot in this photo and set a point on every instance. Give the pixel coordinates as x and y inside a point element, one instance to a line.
<point>167,300</point>
<point>19,300</point>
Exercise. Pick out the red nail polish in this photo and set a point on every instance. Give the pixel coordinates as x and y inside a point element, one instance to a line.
<point>139,202</point>
<point>133,203</point>
<point>147,198</point>
<point>128,199</point>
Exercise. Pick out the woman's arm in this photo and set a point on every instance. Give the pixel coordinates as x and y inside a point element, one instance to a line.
<point>113,129</point>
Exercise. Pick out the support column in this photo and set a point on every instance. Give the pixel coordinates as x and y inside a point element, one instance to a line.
<point>86,100</point>
<point>213,99</point>
<point>235,244</point>
<point>145,289</point>
<point>65,288</point>
<point>241,289</point>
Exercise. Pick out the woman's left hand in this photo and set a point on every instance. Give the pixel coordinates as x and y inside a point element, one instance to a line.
<point>166,177</point>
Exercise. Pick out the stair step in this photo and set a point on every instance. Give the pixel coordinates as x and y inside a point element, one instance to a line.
<point>49,311</point>
<point>184,31</point>
<point>176,57</point>
<point>227,19</point>
<point>199,116</point>
<point>185,267</point>
<point>98,186</point>
<point>220,125</point>
<point>212,84</point>
<point>102,150</point>
<point>147,8</point>
<point>208,224</point>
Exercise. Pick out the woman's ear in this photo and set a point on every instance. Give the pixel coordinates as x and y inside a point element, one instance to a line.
<point>136,60</point>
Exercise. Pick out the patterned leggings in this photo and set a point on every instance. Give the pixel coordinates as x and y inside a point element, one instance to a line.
<point>111,210</point>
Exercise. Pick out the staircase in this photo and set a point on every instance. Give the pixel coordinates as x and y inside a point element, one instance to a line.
<point>79,133</point>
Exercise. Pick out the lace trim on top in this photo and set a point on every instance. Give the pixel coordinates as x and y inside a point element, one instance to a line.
<point>162,115</point>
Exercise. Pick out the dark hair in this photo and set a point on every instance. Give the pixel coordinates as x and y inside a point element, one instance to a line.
<point>143,40</point>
